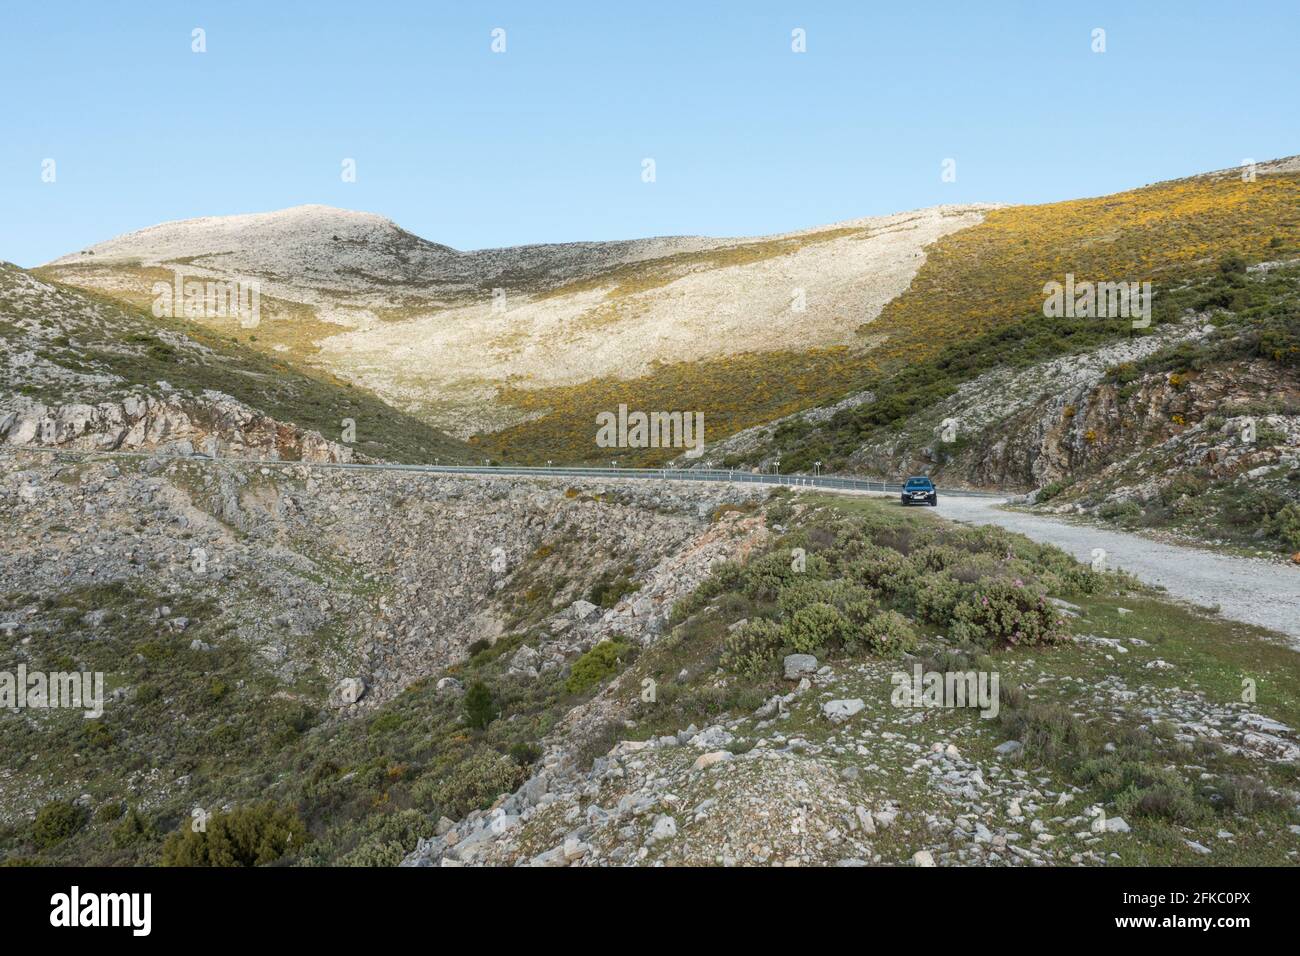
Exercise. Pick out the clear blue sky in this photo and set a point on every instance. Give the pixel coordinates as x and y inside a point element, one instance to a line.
<point>544,143</point>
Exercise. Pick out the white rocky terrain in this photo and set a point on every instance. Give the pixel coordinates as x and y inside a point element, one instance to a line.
<point>437,331</point>
<point>821,775</point>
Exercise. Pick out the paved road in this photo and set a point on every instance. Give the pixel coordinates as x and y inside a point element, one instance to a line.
<point>648,474</point>
<point>1245,589</point>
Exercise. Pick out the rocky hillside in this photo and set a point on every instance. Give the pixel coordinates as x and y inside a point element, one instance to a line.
<point>1191,426</point>
<point>366,668</point>
<point>811,759</point>
<point>85,372</point>
<point>520,348</point>
<point>240,611</point>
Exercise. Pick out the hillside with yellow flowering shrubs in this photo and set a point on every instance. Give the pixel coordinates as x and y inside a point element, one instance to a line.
<point>979,289</point>
<point>993,273</point>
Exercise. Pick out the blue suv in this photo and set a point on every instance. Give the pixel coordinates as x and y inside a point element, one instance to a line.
<point>920,491</point>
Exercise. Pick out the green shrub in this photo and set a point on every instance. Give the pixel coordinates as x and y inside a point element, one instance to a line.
<point>253,835</point>
<point>802,592</point>
<point>1143,790</point>
<point>1180,485</point>
<point>1285,526</point>
<point>611,587</point>
<point>1173,802</point>
<point>1255,508</point>
<point>815,627</point>
<point>1120,510</point>
<point>1249,796</point>
<point>470,784</point>
<point>1050,490</point>
<point>96,735</point>
<point>376,855</point>
<point>889,633</point>
<point>134,828</point>
<point>752,649</point>
<point>387,839</point>
<point>1232,264</point>
<point>525,754</point>
<point>1007,612</point>
<point>480,706</point>
<point>602,661</point>
<point>1081,579</point>
<point>887,571</point>
<point>1051,734</point>
<point>765,577</point>
<point>934,557</point>
<point>935,597</point>
<point>723,577</point>
<point>1061,573</point>
<point>999,542</point>
<point>108,812</point>
<point>56,821</point>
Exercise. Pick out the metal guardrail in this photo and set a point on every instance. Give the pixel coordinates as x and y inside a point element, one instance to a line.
<point>827,482</point>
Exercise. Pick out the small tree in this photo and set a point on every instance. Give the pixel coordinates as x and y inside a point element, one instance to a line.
<point>480,708</point>
<point>57,821</point>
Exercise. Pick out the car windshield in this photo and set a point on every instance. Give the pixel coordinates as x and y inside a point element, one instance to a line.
<point>918,483</point>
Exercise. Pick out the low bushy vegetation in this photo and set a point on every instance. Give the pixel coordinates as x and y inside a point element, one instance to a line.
<point>598,664</point>
<point>874,585</point>
<point>246,836</point>
<point>844,580</point>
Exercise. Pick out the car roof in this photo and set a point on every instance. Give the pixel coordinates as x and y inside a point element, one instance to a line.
<point>918,480</point>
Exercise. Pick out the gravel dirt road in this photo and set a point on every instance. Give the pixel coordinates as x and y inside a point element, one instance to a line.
<point>1245,589</point>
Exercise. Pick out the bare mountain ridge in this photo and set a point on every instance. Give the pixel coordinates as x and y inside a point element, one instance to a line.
<point>343,251</point>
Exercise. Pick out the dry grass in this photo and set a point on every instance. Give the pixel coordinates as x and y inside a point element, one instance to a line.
<point>733,393</point>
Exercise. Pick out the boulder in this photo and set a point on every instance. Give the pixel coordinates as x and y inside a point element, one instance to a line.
<point>450,685</point>
<point>525,661</point>
<point>583,610</point>
<point>704,761</point>
<point>348,691</point>
<point>838,711</point>
<point>799,665</point>
<point>665,828</point>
